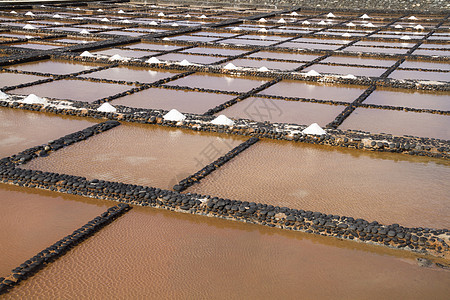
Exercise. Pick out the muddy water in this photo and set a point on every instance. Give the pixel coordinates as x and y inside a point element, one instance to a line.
<point>408,98</point>
<point>125,53</point>
<point>11,79</point>
<point>159,157</point>
<point>186,102</point>
<point>130,73</point>
<point>20,130</point>
<point>434,76</point>
<point>33,220</point>
<point>357,60</point>
<point>276,65</point>
<point>290,88</point>
<point>344,70</point>
<point>280,111</point>
<point>281,55</point>
<point>218,82</point>
<point>389,188</point>
<point>197,59</point>
<point>177,256</point>
<point>399,123</point>
<point>58,67</point>
<point>74,90</point>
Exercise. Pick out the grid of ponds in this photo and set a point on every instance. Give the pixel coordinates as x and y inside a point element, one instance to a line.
<point>382,74</point>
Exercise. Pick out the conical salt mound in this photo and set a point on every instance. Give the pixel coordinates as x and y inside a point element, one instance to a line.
<point>84,31</point>
<point>346,34</point>
<point>263,69</point>
<point>306,22</point>
<point>86,54</point>
<point>153,23</point>
<point>349,76</point>
<point>153,60</point>
<point>313,73</point>
<point>33,99</point>
<point>222,120</point>
<point>116,57</point>
<point>419,27</point>
<point>314,129</point>
<point>230,66</point>
<point>29,26</point>
<point>294,13</point>
<point>3,96</point>
<point>105,20</point>
<point>121,12</point>
<point>185,62</point>
<point>29,14</point>
<point>331,15</point>
<point>174,115</point>
<point>281,20</point>
<point>106,107</point>
<point>365,16</point>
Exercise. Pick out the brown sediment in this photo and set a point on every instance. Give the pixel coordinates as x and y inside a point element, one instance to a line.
<point>167,99</point>
<point>160,157</point>
<point>73,90</point>
<point>20,130</point>
<point>167,255</point>
<point>377,186</point>
<point>399,123</point>
<point>33,219</point>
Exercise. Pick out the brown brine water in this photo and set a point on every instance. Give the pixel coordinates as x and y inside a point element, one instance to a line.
<point>159,157</point>
<point>388,188</point>
<point>163,255</point>
<point>32,220</point>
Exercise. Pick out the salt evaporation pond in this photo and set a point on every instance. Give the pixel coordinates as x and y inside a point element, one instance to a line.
<point>181,256</point>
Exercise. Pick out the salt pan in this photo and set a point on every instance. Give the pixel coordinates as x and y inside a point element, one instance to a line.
<point>33,99</point>
<point>106,107</point>
<point>174,115</point>
<point>314,129</point>
<point>222,120</point>
<point>86,54</point>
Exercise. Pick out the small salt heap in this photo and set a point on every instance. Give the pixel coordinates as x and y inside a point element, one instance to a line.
<point>174,25</point>
<point>236,29</point>
<point>84,31</point>
<point>331,15</point>
<point>105,20</point>
<point>322,23</point>
<point>77,8</point>
<point>369,25</point>
<point>346,34</point>
<point>365,16</point>
<point>29,26</point>
<point>56,16</point>
<point>13,12</point>
<point>312,73</point>
<point>262,30</point>
<point>230,66</point>
<point>33,99</point>
<point>121,12</point>
<point>222,120</point>
<point>412,18</point>
<point>185,62</point>
<point>117,57</point>
<point>314,129</point>
<point>106,107</point>
<point>153,23</point>
<point>188,16</point>
<point>174,115</point>
<point>100,10</point>
<point>350,24</point>
<point>153,60</point>
<point>281,21</point>
<point>161,14</point>
<point>262,20</point>
<point>398,26</point>
<point>294,13</point>
<point>405,37</point>
<point>29,14</point>
<point>306,22</point>
<point>349,76</point>
<point>86,54</point>
<point>126,21</point>
<point>203,17</point>
<point>263,69</point>
<point>419,27</point>
<point>3,96</point>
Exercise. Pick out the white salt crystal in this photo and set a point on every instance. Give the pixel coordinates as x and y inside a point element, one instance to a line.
<point>263,69</point>
<point>222,120</point>
<point>230,66</point>
<point>185,62</point>
<point>314,129</point>
<point>29,26</point>
<point>3,96</point>
<point>174,115</point>
<point>84,31</point>
<point>153,60</point>
<point>29,14</point>
<point>33,99</point>
<point>331,15</point>
<point>365,16</point>
<point>86,54</point>
<point>161,14</point>
<point>312,73</point>
<point>281,21</point>
<point>106,107</point>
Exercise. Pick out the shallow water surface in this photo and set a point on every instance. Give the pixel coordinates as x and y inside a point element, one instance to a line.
<point>180,256</point>
<point>57,67</point>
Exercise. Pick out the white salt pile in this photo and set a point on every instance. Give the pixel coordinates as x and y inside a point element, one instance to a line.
<point>56,16</point>
<point>78,18</point>
<point>185,62</point>
<point>106,107</point>
<point>349,76</point>
<point>3,96</point>
<point>322,23</point>
<point>153,60</point>
<point>312,73</point>
<point>33,99</point>
<point>29,14</point>
<point>105,20</point>
<point>100,10</point>
<point>29,26</point>
<point>13,12</point>
<point>166,39</point>
<point>346,34</point>
<point>262,20</point>
<point>365,16</point>
<point>398,26</point>
<point>314,129</point>
<point>203,17</point>
<point>405,37</point>
<point>236,29</point>
<point>153,23</point>
<point>262,30</point>
<point>306,22</point>
<point>86,54</point>
<point>331,15</point>
<point>350,24</point>
<point>84,31</point>
<point>369,25</point>
<point>161,14</point>
<point>230,66</point>
<point>188,16</point>
<point>77,8</point>
<point>419,27</point>
<point>121,12</point>
<point>412,18</point>
<point>222,120</point>
<point>294,13</point>
<point>263,69</point>
<point>174,115</point>
<point>117,57</point>
<point>281,21</point>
